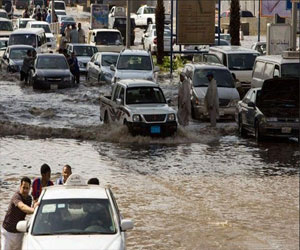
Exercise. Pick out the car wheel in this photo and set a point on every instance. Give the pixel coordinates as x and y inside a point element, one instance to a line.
<point>149,21</point>
<point>106,118</point>
<point>258,135</point>
<point>242,131</point>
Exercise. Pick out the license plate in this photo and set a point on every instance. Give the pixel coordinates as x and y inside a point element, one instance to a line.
<point>53,86</point>
<point>286,130</point>
<point>221,113</point>
<point>155,129</point>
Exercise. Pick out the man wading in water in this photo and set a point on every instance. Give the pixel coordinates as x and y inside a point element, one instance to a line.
<point>184,100</point>
<point>212,99</point>
<point>19,206</point>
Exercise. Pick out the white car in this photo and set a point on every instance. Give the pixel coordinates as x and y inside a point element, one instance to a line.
<point>75,216</point>
<point>149,29</point>
<point>134,64</point>
<point>144,16</point>
<point>51,41</point>
<point>150,41</point>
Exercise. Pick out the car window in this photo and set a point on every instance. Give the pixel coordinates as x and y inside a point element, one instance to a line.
<point>116,94</point>
<point>49,62</point>
<point>139,12</point>
<point>85,50</point>
<point>108,60</point>
<point>222,77</point>
<point>6,26</point>
<point>258,69</point>
<point>44,26</point>
<point>121,95</point>
<point>246,98</point>
<point>253,96</point>
<point>241,61</point>
<point>276,71</point>
<point>133,62</point>
<point>18,54</point>
<point>25,39</point>
<point>149,10</point>
<point>108,38</point>
<point>290,70</point>
<point>74,216</point>
<point>59,6</point>
<point>269,71</point>
<point>142,95</point>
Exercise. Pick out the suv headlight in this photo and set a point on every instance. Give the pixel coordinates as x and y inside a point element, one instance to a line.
<point>40,78</point>
<point>136,118</point>
<point>68,78</point>
<point>271,119</point>
<point>81,65</point>
<point>233,103</point>
<point>171,117</point>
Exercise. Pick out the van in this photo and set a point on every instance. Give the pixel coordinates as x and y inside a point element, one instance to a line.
<point>35,37</point>
<point>238,60</point>
<point>268,67</point>
<point>106,40</point>
<point>59,7</point>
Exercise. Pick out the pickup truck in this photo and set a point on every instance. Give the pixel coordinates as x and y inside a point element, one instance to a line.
<point>141,106</point>
<point>144,16</point>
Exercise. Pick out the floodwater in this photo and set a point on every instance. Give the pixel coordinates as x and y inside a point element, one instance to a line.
<point>201,189</point>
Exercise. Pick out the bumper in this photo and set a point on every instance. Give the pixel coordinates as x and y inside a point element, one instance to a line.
<point>278,129</point>
<point>226,113</point>
<point>39,84</point>
<point>141,128</point>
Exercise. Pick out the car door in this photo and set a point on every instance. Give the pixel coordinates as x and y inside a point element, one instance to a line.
<point>5,60</point>
<point>251,111</point>
<point>90,66</point>
<point>243,108</point>
<point>113,108</point>
<point>119,111</point>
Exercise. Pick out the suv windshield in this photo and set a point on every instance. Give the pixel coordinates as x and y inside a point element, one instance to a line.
<point>108,38</point>
<point>222,77</point>
<point>18,54</point>
<point>25,39</point>
<point>108,60</point>
<point>6,26</point>
<point>85,50</point>
<point>50,62</point>
<point>23,23</point>
<point>143,95</point>
<point>74,216</point>
<point>132,62</point>
<point>59,6</point>
<point>3,14</point>
<point>241,61</point>
<point>44,26</point>
<point>149,10</point>
<point>290,70</point>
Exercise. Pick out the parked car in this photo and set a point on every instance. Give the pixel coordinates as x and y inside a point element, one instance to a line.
<point>226,37</point>
<point>83,52</point>
<point>261,47</point>
<point>243,13</point>
<point>141,106</point>
<point>64,21</point>
<point>77,216</point>
<point>12,59</point>
<point>272,110</point>
<point>51,40</point>
<point>6,27</point>
<point>228,95</point>
<point>106,40</point>
<point>98,68</point>
<point>134,64</point>
<point>150,41</point>
<point>22,22</point>
<point>51,71</point>
<point>268,67</point>
<point>59,7</point>
<point>144,16</point>
<point>3,14</point>
<point>150,28</point>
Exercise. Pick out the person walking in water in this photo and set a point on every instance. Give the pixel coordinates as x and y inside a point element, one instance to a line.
<point>184,100</point>
<point>18,208</point>
<point>212,99</point>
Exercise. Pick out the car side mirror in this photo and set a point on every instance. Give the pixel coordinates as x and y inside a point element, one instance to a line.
<point>251,105</point>
<point>22,226</point>
<point>119,101</point>
<point>169,101</point>
<point>97,63</point>
<point>5,57</point>
<point>126,225</point>
<point>156,69</point>
<point>112,67</point>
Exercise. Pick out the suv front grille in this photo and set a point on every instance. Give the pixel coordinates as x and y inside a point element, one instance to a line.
<point>224,102</point>
<point>155,118</point>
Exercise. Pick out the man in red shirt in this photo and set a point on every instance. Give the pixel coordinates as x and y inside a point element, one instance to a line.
<point>39,183</point>
<point>19,206</point>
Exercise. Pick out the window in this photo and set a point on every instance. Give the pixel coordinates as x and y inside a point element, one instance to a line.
<point>290,70</point>
<point>108,38</point>
<point>18,54</point>
<point>269,71</point>
<point>139,12</point>
<point>142,95</point>
<point>51,62</point>
<point>59,6</point>
<point>258,69</point>
<point>85,50</point>
<point>132,62</point>
<point>116,94</point>
<point>149,10</point>
<point>121,95</point>
<point>26,39</point>
<point>222,77</point>
<point>6,26</point>
<point>43,26</point>
<point>241,61</point>
<point>108,60</point>
<point>276,71</point>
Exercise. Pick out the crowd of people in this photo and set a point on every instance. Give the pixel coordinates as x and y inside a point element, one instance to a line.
<point>23,203</point>
<point>39,14</point>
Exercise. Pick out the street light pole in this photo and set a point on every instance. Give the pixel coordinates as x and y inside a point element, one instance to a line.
<point>128,24</point>
<point>52,11</point>
<point>294,25</point>
<point>258,23</point>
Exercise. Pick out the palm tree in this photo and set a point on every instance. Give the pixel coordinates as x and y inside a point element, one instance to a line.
<point>160,20</point>
<point>235,22</point>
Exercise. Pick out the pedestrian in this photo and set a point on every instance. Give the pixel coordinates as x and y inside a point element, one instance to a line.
<point>74,34</point>
<point>44,15</point>
<point>211,99</point>
<point>48,18</point>
<point>67,32</point>
<point>94,181</point>
<point>73,62</point>
<point>81,34</point>
<point>18,208</point>
<point>38,15</point>
<point>63,43</point>
<point>39,183</point>
<point>67,171</point>
<point>184,100</point>
<point>27,62</point>
<point>25,13</point>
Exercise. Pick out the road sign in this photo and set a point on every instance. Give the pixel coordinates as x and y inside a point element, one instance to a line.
<point>279,38</point>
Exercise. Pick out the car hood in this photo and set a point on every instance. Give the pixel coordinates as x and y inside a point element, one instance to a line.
<point>223,93</point>
<point>5,33</point>
<point>53,73</point>
<point>49,35</point>
<point>151,109</point>
<point>73,242</point>
<point>83,59</point>
<point>134,74</point>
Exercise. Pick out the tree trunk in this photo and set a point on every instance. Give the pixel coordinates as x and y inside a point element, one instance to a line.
<point>160,20</point>
<point>235,22</point>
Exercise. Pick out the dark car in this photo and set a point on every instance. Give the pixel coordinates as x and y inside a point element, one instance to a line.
<point>120,24</point>
<point>64,21</point>
<point>270,111</point>
<point>243,13</point>
<point>51,71</point>
<point>12,59</point>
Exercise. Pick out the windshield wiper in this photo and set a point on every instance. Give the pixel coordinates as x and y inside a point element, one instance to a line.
<point>44,234</point>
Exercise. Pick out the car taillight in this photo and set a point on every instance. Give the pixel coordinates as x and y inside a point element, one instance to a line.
<point>155,40</point>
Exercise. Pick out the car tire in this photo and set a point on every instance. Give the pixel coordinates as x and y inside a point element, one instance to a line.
<point>242,131</point>
<point>149,21</point>
<point>258,135</point>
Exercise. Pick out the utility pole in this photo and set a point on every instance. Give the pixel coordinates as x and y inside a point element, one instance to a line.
<point>52,11</point>
<point>128,24</point>
<point>258,23</point>
<point>294,25</point>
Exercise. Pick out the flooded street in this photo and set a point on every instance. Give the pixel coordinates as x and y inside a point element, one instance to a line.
<point>202,189</point>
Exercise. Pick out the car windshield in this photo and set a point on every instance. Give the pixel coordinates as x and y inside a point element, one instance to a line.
<point>59,6</point>
<point>23,23</point>
<point>3,14</point>
<point>290,70</point>
<point>241,61</point>
<point>3,44</point>
<point>17,54</point>
<point>132,62</point>
<point>67,18</point>
<point>85,50</point>
<point>149,10</point>
<point>25,39</point>
<point>108,60</point>
<point>222,77</point>
<point>50,62</point>
<point>144,95</point>
<point>6,26</point>
<point>44,26</point>
<point>108,38</point>
<point>74,216</point>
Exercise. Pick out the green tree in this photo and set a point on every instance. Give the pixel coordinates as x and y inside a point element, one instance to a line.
<point>160,20</point>
<point>235,22</point>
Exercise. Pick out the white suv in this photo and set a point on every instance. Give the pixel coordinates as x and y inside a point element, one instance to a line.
<point>75,216</point>
<point>134,64</point>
